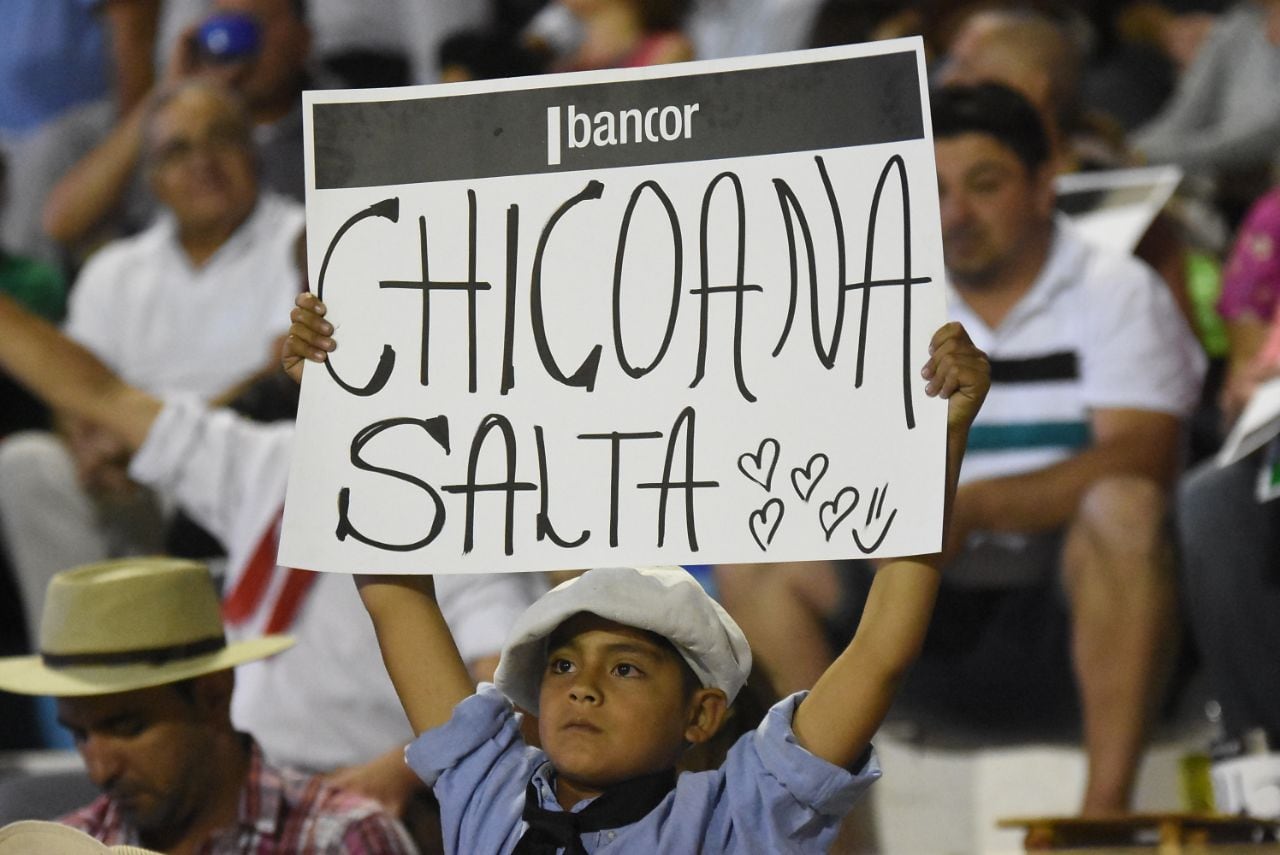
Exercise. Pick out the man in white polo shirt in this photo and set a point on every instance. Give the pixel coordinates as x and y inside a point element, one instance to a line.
<point>221,251</point>
<point>1058,595</point>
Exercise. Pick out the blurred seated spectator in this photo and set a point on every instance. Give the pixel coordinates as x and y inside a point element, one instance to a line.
<point>221,252</point>
<point>65,65</point>
<point>1223,120</point>
<point>621,33</point>
<point>104,194</point>
<point>230,474</point>
<point>40,288</point>
<point>135,653</point>
<point>841,22</point>
<point>485,55</point>
<point>1037,56</point>
<point>1056,579</point>
<point>716,28</point>
<point>1249,301</point>
<point>1229,534</point>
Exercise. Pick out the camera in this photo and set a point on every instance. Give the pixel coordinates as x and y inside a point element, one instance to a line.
<point>228,38</point>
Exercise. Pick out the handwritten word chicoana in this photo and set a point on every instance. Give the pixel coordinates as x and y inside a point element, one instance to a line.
<point>708,296</point>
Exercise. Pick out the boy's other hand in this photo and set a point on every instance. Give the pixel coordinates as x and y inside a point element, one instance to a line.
<point>959,372</point>
<point>309,336</point>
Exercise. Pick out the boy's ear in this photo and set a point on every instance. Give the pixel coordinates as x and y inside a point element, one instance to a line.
<point>707,711</point>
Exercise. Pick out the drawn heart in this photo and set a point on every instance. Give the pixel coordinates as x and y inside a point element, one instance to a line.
<point>759,466</point>
<point>837,510</point>
<point>761,522</point>
<point>805,480</point>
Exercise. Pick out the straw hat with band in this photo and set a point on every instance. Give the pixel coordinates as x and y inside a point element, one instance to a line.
<point>31,836</point>
<point>664,600</point>
<point>129,624</point>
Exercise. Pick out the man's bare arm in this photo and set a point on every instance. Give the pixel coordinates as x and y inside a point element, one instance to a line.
<point>69,378</point>
<point>850,700</point>
<point>1125,442</point>
<point>132,26</point>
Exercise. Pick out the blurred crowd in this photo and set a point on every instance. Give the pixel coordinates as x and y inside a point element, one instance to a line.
<point>152,173</point>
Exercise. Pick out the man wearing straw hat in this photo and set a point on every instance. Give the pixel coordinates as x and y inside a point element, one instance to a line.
<point>134,652</point>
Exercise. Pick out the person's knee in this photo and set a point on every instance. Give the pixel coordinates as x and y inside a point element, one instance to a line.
<point>1123,512</point>
<point>1118,531</point>
<point>811,584</point>
<point>30,459</point>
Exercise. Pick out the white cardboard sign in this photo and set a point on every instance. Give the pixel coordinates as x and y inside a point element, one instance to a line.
<point>661,315</point>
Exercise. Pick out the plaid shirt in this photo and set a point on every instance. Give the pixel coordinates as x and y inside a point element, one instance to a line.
<point>281,811</point>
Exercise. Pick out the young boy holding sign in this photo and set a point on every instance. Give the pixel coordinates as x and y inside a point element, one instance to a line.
<point>625,669</point>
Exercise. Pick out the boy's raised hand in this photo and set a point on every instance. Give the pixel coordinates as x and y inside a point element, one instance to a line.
<point>848,703</point>
<point>959,372</point>
<point>310,335</point>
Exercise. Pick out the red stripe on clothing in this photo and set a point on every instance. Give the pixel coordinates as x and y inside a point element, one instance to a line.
<point>250,589</point>
<point>296,585</point>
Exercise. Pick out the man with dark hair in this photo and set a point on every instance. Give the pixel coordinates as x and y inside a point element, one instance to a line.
<point>1060,567</point>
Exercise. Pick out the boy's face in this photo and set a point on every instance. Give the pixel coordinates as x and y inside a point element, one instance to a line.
<point>613,703</point>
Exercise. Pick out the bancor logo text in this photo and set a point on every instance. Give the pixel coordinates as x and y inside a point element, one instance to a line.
<point>623,127</point>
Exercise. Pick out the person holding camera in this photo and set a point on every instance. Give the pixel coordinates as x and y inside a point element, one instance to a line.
<point>257,48</point>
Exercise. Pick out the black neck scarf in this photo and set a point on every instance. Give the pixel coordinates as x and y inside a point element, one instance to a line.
<point>621,804</point>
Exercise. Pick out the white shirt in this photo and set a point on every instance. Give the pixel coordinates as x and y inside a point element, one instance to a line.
<point>167,326</point>
<point>327,702</point>
<point>1106,314</point>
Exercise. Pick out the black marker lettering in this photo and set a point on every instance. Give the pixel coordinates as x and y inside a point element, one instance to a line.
<point>788,202</point>
<point>906,281</point>
<point>426,286</point>
<point>615,468</point>
<point>510,486</point>
<point>678,249</point>
<point>545,528</point>
<point>387,209</point>
<point>739,288</point>
<point>438,429</point>
<point>828,356</point>
<point>585,376</point>
<point>684,422</point>
<point>509,322</point>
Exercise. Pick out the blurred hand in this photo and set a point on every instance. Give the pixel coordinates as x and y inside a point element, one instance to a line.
<point>101,459</point>
<point>385,779</point>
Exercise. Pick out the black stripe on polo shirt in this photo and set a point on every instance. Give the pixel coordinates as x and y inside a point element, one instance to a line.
<point>1064,365</point>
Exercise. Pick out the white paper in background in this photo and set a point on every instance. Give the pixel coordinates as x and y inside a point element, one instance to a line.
<point>705,426</point>
<point>1114,208</point>
<point>1259,422</point>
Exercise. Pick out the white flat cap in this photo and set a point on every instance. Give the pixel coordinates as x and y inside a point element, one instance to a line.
<point>664,600</point>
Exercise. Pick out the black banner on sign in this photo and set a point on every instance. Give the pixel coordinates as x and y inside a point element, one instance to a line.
<point>749,112</point>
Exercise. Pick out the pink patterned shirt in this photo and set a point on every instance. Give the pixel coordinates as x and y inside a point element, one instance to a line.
<point>281,811</point>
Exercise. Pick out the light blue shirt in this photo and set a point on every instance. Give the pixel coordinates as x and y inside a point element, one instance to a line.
<point>770,796</point>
